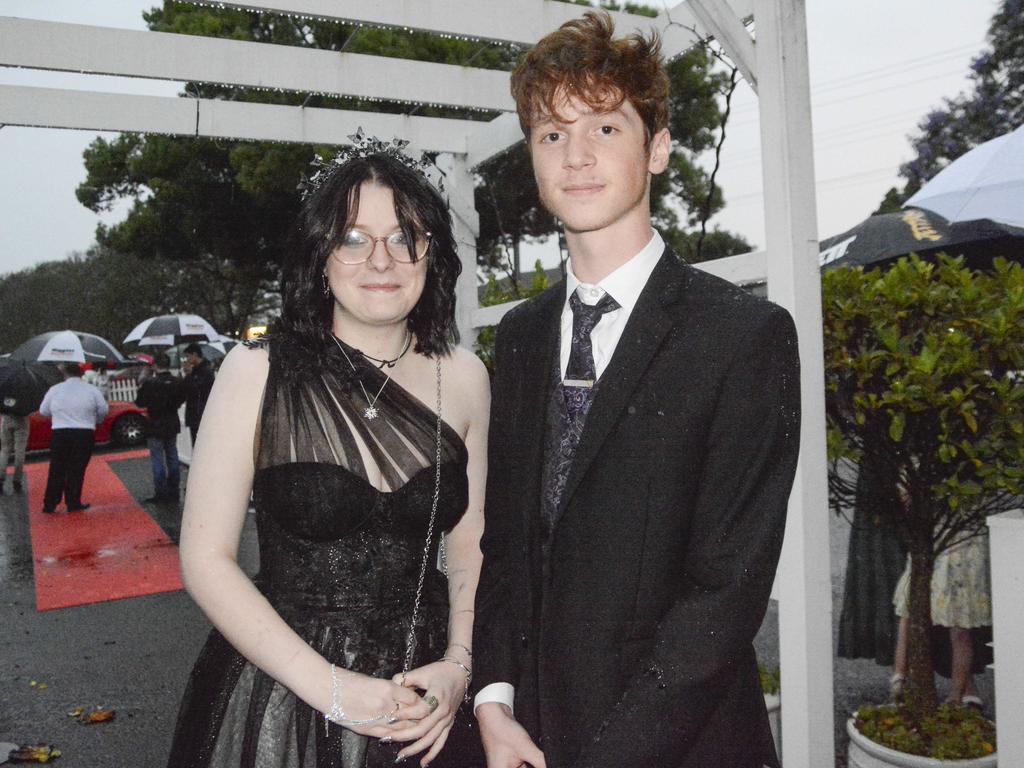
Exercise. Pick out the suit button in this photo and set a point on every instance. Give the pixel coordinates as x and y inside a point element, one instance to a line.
<point>631,410</point>
<point>525,641</point>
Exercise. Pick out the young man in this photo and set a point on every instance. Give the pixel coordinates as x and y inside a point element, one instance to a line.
<point>161,395</point>
<point>199,377</point>
<point>644,436</point>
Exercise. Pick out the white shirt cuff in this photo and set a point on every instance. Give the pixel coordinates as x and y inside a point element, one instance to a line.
<point>502,693</point>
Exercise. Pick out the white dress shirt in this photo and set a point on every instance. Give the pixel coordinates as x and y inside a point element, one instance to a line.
<point>624,285</point>
<point>74,404</point>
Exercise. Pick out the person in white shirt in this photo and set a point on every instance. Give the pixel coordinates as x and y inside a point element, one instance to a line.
<point>643,441</point>
<point>75,408</point>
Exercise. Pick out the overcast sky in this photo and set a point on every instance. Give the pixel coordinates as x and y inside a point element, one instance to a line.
<point>877,66</point>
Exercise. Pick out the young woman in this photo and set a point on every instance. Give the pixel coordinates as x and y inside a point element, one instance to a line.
<point>359,428</point>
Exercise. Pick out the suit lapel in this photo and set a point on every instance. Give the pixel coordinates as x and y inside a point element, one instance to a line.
<point>647,327</point>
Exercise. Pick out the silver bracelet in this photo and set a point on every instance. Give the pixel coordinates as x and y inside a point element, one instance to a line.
<point>460,645</point>
<point>337,714</point>
<point>459,664</point>
<point>464,668</point>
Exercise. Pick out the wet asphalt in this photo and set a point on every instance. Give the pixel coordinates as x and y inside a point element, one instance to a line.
<point>134,656</point>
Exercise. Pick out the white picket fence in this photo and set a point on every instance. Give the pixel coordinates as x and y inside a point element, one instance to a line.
<point>121,389</point>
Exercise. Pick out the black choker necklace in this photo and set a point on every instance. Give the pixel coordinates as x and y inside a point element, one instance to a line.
<point>385,363</point>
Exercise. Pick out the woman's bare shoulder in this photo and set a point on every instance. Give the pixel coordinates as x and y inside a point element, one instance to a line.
<point>245,365</point>
<point>469,370</point>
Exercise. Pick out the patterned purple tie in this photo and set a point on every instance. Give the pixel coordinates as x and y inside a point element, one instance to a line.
<point>581,373</point>
<point>578,393</point>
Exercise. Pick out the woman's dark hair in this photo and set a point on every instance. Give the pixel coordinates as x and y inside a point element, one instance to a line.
<point>324,217</point>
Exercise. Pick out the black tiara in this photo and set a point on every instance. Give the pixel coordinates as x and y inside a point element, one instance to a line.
<point>364,146</point>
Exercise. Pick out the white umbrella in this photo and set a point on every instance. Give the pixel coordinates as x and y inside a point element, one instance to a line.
<point>985,183</point>
<point>168,330</point>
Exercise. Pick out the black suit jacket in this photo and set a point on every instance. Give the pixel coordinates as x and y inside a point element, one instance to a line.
<point>637,649</point>
<point>161,395</point>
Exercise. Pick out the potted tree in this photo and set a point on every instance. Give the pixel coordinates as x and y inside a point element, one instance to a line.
<point>922,373</point>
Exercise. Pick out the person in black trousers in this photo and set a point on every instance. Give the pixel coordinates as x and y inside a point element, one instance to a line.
<point>199,378</point>
<point>75,408</point>
<point>161,395</point>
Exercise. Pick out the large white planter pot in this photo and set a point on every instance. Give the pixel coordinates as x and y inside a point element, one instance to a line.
<point>773,703</point>
<point>862,752</point>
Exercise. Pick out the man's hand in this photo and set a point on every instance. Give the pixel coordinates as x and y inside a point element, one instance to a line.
<point>506,742</point>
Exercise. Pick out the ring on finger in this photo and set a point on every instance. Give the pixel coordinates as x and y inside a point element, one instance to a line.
<point>431,702</point>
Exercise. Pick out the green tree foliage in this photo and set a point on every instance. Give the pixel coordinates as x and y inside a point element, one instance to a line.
<point>510,213</point>
<point>923,374</point>
<point>225,208</point>
<point>228,205</point>
<point>108,293</point>
<point>498,292</point>
<point>993,105</point>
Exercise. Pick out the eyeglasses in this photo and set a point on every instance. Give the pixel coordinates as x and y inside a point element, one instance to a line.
<point>357,246</point>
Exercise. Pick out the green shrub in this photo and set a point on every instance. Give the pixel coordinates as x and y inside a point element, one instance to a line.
<point>771,681</point>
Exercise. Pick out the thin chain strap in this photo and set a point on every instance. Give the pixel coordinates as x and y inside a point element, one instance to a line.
<point>336,714</point>
<point>410,643</point>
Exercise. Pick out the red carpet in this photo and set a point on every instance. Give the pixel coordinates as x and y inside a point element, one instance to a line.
<point>111,551</point>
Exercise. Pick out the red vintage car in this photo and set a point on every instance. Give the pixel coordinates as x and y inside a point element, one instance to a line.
<point>125,425</point>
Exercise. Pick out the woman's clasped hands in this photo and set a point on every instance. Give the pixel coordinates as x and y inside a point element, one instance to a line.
<point>443,684</point>
<point>370,706</point>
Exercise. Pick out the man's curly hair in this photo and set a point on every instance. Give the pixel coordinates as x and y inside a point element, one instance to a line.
<point>582,59</point>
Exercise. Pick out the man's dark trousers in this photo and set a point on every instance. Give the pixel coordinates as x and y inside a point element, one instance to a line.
<point>70,451</point>
<point>163,455</point>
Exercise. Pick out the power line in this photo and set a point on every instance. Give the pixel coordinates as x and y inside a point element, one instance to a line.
<point>897,68</point>
<point>865,176</point>
<point>857,96</point>
<point>821,139</point>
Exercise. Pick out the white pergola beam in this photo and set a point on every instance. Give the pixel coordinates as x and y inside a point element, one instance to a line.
<point>492,138</point>
<point>719,19</point>
<point>523,22</point>
<point>484,316</point>
<point>87,110</point>
<point>742,269</point>
<point>166,56</point>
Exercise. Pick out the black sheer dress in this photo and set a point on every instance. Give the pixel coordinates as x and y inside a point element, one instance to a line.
<point>342,509</point>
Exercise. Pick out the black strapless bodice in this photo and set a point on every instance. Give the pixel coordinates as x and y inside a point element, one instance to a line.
<point>332,545</point>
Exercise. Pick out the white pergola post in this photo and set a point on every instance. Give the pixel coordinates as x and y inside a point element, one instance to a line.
<point>1006,542</point>
<point>803,581</point>
<point>466,225</point>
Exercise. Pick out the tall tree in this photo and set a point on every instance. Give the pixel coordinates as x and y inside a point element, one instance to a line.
<point>226,207</point>
<point>682,198</point>
<point>106,292</point>
<point>992,106</point>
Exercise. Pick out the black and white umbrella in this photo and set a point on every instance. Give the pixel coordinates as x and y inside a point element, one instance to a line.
<point>168,330</point>
<point>886,237</point>
<point>23,385</point>
<point>69,347</point>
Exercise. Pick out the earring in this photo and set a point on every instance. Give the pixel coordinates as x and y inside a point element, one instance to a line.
<point>327,288</point>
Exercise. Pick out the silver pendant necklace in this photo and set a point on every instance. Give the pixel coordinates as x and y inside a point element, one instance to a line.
<point>370,412</point>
